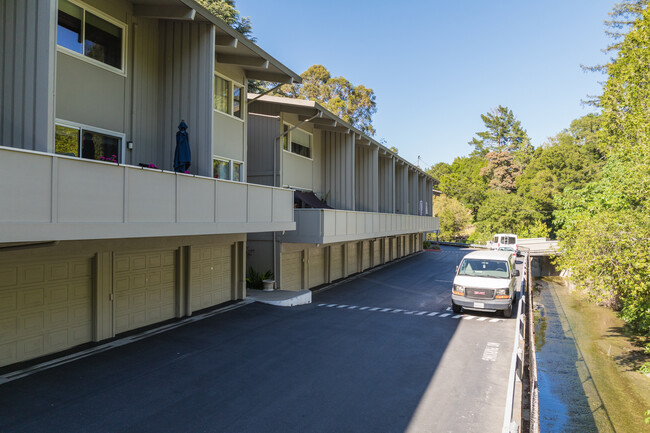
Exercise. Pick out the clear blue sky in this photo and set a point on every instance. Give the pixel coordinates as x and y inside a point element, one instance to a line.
<point>436,66</point>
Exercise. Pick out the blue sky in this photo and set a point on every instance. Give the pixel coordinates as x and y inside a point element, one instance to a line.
<point>436,66</point>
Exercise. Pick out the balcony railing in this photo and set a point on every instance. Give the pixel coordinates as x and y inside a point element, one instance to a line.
<point>53,197</point>
<point>323,226</point>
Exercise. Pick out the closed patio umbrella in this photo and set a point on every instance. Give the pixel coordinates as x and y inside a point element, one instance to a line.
<point>182,155</point>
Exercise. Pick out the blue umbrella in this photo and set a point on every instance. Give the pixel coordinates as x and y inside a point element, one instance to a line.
<point>182,155</point>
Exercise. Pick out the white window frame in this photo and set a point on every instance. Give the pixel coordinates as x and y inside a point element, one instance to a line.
<point>231,103</point>
<point>231,162</point>
<point>90,128</point>
<point>87,59</point>
<point>288,135</point>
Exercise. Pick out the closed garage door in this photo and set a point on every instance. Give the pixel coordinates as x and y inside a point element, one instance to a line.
<point>337,262</point>
<point>145,289</point>
<point>407,245</point>
<point>316,267</point>
<point>376,255</point>
<point>393,248</point>
<point>211,276</point>
<point>352,258</point>
<point>292,271</point>
<point>44,308</point>
<point>365,259</point>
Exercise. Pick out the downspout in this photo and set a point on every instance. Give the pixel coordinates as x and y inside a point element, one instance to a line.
<point>275,177</point>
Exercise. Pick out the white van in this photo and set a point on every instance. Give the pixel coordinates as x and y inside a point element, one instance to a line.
<point>505,242</point>
<point>487,281</point>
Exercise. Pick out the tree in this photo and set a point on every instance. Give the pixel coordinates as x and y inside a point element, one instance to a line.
<point>504,213</point>
<point>354,104</point>
<point>503,133</point>
<point>225,9</point>
<point>502,170</point>
<point>462,180</point>
<point>455,219</point>
<point>605,236</point>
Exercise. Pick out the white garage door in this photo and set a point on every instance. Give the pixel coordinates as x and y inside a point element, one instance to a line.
<point>337,262</point>
<point>292,271</point>
<point>144,285</point>
<point>44,308</point>
<point>316,267</point>
<point>211,276</point>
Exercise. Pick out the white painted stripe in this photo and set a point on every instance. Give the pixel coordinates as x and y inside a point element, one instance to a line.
<point>468,317</point>
<point>321,305</point>
<point>352,307</point>
<point>445,315</point>
<point>457,316</point>
<point>421,313</point>
<point>495,320</point>
<point>480,319</point>
<point>363,308</point>
<point>491,351</point>
<point>342,306</point>
<point>448,308</point>
<point>374,309</point>
<point>409,312</point>
<point>433,314</point>
<point>397,310</point>
<point>331,305</point>
<point>385,309</point>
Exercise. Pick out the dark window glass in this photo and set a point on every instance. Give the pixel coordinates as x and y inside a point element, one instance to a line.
<point>103,41</point>
<point>68,33</point>
<point>236,102</point>
<point>99,146</point>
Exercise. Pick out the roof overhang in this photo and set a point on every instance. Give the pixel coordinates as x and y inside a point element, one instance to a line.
<point>327,121</point>
<point>231,47</point>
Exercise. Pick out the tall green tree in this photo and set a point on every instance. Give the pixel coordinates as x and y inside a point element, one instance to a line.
<point>605,237</point>
<point>455,219</point>
<point>225,9</point>
<point>462,180</point>
<point>503,132</point>
<point>503,212</point>
<point>354,104</point>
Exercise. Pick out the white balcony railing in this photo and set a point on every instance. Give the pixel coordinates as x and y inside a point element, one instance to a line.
<point>323,226</point>
<point>52,197</point>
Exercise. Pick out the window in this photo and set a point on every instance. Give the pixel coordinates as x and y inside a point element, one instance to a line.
<point>89,144</point>
<point>222,95</point>
<point>228,97</point>
<point>297,141</point>
<point>236,101</point>
<point>221,168</point>
<point>227,169</point>
<point>236,171</point>
<point>89,35</point>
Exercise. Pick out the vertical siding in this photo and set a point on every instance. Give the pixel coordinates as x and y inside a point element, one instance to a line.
<point>366,178</point>
<point>338,172</point>
<point>186,89</point>
<point>262,131</point>
<point>401,189</point>
<point>146,85</point>
<point>28,47</point>
<point>386,181</point>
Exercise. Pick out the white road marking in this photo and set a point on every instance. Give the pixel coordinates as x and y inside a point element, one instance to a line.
<point>491,351</point>
<point>410,312</point>
<point>448,308</point>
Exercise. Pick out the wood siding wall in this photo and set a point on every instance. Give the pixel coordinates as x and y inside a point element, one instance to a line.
<point>262,131</point>
<point>186,91</point>
<point>27,50</point>
<point>338,156</point>
<point>386,175</point>
<point>401,189</point>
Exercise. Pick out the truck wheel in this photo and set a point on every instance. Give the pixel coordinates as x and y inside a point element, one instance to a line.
<point>507,312</point>
<point>455,308</point>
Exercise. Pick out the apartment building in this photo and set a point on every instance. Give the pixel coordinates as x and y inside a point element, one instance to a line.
<point>357,204</point>
<point>99,235</point>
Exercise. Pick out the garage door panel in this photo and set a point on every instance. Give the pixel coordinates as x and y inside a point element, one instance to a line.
<point>8,328</point>
<point>292,271</point>
<point>211,276</point>
<point>57,317</point>
<point>316,267</point>
<point>8,277</point>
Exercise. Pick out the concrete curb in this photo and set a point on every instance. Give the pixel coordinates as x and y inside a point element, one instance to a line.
<point>280,298</point>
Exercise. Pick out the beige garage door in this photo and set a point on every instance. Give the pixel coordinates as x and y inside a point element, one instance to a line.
<point>376,254</point>
<point>365,259</point>
<point>337,262</point>
<point>316,267</point>
<point>393,248</point>
<point>292,271</point>
<point>211,276</point>
<point>144,285</point>
<point>44,308</point>
<point>352,258</point>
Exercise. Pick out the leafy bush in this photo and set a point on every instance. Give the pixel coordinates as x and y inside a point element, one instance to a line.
<point>255,280</point>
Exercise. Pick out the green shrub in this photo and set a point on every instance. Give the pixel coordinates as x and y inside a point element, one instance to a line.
<point>255,280</point>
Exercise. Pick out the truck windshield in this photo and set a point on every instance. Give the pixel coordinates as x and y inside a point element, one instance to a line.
<point>484,268</point>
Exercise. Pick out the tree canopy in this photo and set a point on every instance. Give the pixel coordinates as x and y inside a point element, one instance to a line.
<point>225,9</point>
<point>503,133</point>
<point>354,104</point>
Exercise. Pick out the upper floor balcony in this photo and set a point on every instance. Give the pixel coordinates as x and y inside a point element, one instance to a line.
<point>50,197</point>
<point>324,226</point>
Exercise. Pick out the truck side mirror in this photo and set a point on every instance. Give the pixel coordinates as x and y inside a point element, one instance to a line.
<point>515,273</point>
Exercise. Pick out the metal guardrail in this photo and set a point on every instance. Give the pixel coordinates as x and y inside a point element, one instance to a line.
<point>510,419</point>
<point>531,358</point>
